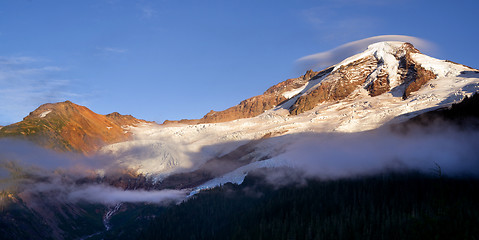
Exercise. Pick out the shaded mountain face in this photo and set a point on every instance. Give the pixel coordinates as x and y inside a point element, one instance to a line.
<point>66,126</point>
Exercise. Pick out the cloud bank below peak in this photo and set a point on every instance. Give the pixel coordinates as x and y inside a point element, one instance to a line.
<point>336,55</point>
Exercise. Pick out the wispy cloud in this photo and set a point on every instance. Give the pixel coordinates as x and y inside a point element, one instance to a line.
<point>31,168</point>
<point>110,195</point>
<point>147,11</point>
<point>333,25</point>
<point>16,60</point>
<point>112,50</point>
<point>343,20</point>
<point>27,82</point>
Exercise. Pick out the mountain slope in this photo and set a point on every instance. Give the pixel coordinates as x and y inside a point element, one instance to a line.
<point>396,68</point>
<point>67,126</point>
<point>388,83</point>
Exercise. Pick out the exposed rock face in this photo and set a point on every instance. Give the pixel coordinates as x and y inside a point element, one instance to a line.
<point>123,120</point>
<point>182,121</point>
<point>371,72</point>
<point>250,107</point>
<point>413,75</point>
<point>66,126</point>
<point>380,86</point>
<point>422,76</point>
<point>338,85</point>
<point>292,83</point>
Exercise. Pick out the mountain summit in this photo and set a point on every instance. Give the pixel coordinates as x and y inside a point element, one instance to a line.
<point>66,126</point>
<point>394,68</point>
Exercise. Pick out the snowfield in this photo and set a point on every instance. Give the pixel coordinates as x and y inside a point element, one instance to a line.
<point>159,150</point>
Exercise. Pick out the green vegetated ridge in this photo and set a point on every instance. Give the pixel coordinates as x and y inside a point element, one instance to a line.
<point>44,131</point>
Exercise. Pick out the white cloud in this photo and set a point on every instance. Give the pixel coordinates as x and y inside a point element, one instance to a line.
<point>346,155</point>
<point>331,57</point>
<point>110,195</point>
<point>16,60</point>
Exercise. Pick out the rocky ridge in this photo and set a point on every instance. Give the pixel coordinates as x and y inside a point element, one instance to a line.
<point>386,67</point>
<point>256,105</point>
<point>66,126</point>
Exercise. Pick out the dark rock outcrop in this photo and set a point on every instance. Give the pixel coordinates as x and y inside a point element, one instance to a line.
<point>380,86</point>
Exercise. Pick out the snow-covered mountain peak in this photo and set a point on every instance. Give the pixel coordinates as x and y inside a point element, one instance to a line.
<point>386,52</point>
<point>386,45</point>
<point>390,54</point>
<point>388,82</point>
<point>395,68</point>
<point>392,67</point>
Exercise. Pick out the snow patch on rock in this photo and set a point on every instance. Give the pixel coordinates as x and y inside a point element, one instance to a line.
<point>45,113</point>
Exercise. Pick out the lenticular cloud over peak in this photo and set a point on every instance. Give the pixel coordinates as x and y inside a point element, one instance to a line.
<point>331,57</point>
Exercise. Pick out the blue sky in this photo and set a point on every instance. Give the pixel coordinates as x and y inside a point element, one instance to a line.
<point>174,59</point>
